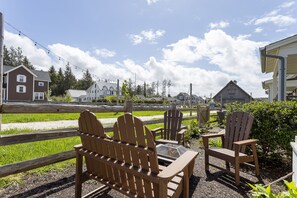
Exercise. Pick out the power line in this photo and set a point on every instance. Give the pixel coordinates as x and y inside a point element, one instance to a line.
<point>58,57</point>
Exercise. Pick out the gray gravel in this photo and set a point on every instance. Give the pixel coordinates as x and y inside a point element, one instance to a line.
<point>217,184</point>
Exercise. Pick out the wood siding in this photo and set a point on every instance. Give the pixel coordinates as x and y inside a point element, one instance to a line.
<point>12,83</point>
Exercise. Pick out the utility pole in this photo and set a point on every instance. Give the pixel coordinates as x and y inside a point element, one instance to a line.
<point>118,91</point>
<point>1,63</point>
<point>191,99</point>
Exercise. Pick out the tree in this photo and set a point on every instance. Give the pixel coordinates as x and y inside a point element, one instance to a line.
<point>125,90</point>
<point>69,78</point>
<point>27,63</point>
<point>139,90</point>
<point>85,82</point>
<point>14,57</point>
<point>54,79</point>
<point>60,83</point>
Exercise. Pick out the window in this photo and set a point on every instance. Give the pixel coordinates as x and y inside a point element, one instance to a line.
<point>21,78</point>
<point>21,89</point>
<point>39,96</point>
<point>41,84</point>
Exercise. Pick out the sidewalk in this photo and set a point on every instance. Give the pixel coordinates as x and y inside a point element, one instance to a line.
<point>63,123</point>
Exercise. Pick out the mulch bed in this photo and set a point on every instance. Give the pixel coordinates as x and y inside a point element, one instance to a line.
<point>216,184</point>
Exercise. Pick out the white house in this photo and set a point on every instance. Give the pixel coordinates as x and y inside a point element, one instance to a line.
<point>280,59</point>
<point>100,89</point>
<point>77,95</point>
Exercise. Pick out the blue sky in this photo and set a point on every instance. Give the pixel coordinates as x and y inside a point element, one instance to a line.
<point>206,43</point>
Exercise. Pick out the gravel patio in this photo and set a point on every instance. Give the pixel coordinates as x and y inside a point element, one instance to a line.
<point>216,184</point>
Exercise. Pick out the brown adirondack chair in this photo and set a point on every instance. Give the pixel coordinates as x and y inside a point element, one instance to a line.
<point>128,162</point>
<point>172,132</point>
<point>235,140</point>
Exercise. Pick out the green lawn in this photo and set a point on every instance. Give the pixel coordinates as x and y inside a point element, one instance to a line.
<point>38,117</point>
<point>26,151</point>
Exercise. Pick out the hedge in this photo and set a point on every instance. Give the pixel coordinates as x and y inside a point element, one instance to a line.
<point>275,125</point>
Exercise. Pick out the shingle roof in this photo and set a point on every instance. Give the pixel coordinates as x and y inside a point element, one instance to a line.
<point>77,93</point>
<point>41,75</point>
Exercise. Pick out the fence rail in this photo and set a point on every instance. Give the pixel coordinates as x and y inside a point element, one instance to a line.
<point>59,133</point>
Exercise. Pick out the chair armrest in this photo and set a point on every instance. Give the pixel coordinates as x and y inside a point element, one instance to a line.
<point>182,131</point>
<point>78,146</point>
<point>245,142</point>
<point>178,165</point>
<point>205,138</point>
<point>213,135</point>
<point>157,129</point>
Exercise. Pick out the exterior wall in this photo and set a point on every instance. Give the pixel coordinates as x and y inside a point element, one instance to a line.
<point>100,92</point>
<point>41,89</point>
<point>12,84</point>
<point>232,93</point>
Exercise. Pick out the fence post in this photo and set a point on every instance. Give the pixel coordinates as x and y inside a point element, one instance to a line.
<point>294,161</point>
<point>173,106</point>
<point>203,114</point>
<point>128,106</point>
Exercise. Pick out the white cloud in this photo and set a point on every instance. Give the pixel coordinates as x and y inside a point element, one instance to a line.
<point>38,57</point>
<point>288,4</point>
<point>279,20</point>
<point>258,30</point>
<point>235,59</point>
<point>235,56</point>
<point>104,53</point>
<point>147,35</point>
<point>221,24</point>
<point>136,39</point>
<point>280,30</point>
<point>276,17</point>
<point>149,2</point>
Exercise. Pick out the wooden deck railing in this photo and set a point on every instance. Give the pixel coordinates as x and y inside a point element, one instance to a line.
<point>58,133</point>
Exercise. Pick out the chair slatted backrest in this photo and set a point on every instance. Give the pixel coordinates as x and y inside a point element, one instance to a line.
<point>130,130</point>
<point>172,124</point>
<point>238,127</point>
<point>128,160</point>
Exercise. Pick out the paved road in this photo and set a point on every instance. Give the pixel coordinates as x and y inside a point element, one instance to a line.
<point>62,123</point>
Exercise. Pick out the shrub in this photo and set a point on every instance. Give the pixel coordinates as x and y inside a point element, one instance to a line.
<point>259,191</point>
<point>194,129</point>
<point>275,125</point>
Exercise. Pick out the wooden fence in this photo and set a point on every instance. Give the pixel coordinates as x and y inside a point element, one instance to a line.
<point>59,133</point>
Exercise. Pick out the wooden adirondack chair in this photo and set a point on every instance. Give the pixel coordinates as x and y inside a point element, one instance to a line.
<point>172,131</point>
<point>128,162</point>
<point>235,139</point>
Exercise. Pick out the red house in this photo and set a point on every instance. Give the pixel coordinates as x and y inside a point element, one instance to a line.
<point>23,84</point>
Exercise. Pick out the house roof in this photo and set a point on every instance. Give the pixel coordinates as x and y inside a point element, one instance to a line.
<point>101,84</point>
<point>269,64</point>
<point>74,93</point>
<point>183,94</point>
<point>231,82</point>
<point>39,75</point>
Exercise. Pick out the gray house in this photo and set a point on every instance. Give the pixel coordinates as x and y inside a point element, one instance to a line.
<point>231,93</point>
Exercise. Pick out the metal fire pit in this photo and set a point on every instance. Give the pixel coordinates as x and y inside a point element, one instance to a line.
<point>170,151</point>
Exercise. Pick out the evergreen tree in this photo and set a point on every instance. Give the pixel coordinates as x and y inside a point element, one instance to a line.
<point>69,78</point>
<point>14,57</point>
<point>60,83</point>
<point>27,63</point>
<point>144,89</point>
<point>53,85</point>
<point>85,82</point>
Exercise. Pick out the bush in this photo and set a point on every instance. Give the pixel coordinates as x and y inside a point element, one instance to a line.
<point>259,191</point>
<point>275,125</point>
<point>194,129</point>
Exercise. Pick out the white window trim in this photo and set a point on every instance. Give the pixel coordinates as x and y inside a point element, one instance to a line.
<point>18,88</point>
<point>40,96</point>
<point>19,76</point>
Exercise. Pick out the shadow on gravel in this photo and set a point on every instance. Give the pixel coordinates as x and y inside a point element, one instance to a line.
<point>229,181</point>
<point>48,189</point>
<point>194,180</point>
